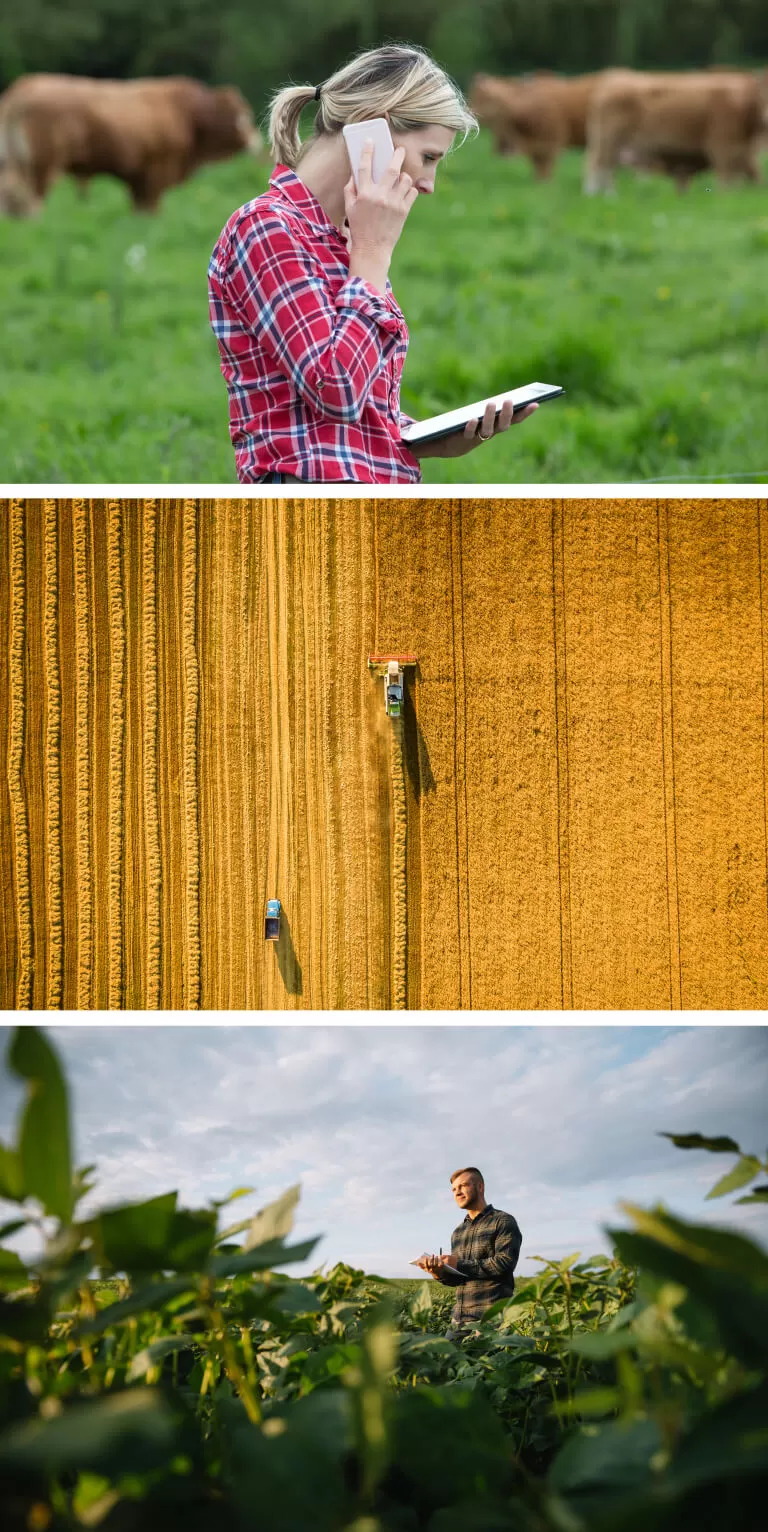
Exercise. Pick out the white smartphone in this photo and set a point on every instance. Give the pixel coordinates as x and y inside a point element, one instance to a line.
<point>355,134</point>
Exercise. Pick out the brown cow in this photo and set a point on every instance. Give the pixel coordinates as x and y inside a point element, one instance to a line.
<point>538,116</point>
<point>676,123</point>
<point>151,134</point>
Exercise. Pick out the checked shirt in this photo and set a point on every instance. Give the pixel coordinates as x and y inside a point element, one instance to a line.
<point>311,356</point>
<point>488,1248</point>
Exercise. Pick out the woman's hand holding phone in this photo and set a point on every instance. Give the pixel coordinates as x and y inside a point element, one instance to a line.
<point>376,213</point>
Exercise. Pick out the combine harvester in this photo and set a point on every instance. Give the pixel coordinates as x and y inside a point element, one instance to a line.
<point>390,667</point>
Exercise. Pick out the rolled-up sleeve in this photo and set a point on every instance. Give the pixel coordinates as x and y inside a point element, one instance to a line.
<point>332,347</point>
<point>501,1265</point>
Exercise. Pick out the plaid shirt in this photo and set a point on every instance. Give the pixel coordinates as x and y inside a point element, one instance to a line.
<point>312,357</point>
<point>488,1247</point>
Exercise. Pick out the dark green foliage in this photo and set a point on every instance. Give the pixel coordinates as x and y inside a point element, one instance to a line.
<point>259,48</point>
<point>151,1381</point>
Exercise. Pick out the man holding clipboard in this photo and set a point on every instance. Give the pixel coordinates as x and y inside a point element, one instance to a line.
<point>484,1253</point>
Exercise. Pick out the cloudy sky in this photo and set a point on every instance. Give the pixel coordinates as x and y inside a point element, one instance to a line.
<point>372,1120</point>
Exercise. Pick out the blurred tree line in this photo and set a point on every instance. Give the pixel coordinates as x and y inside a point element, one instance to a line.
<point>260,46</point>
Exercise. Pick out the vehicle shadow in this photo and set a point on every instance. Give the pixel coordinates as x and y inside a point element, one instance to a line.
<point>417,762</point>
<point>287,961</point>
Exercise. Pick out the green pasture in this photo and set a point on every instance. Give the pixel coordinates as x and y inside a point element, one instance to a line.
<point>651,309</point>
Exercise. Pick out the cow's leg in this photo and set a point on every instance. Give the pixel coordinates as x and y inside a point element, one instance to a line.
<point>598,176</point>
<point>148,185</point>
<point>543,161</point>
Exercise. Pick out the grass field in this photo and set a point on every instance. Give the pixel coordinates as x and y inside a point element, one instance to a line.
<point>650,308</point>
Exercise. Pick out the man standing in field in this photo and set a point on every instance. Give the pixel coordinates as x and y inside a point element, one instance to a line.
<point>484,1253</point>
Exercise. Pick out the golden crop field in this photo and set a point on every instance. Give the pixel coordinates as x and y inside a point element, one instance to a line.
<point>571,812</point>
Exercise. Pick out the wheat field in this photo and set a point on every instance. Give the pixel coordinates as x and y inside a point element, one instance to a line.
<point>570,814</point>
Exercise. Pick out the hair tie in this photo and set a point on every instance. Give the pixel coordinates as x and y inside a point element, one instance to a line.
<point>317,92</point>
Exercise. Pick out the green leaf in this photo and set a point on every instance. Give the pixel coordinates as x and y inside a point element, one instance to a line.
<point>745,1170</point>
<point>156,1352</point>
<point>757,1194</point>
<point>264,1258</point>
<point>93,1499</point>
<point>370,1385</point>
<point>44,1142</point>
<point>240,1191</point>
<point>729,1442</point>
<point>274,1221</point>
<point>130,1432</point>
<point>610,1457</point>
<point>297,1298</point>
<point>13,1227</point>
<point>705,1243</point>
<point>591,1402</point>
<point>735,1300</point>
<point>154,1236</point>
<point>11,1175</point>
<point>13,1272</point>
<point>698,1141</point>
<point>597,1345</point>
<point>24,1321</point>
<point>81,1183</point>
<point>135,1236</point>
<point>146,1300</point>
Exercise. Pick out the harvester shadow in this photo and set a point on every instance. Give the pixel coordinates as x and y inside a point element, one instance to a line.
<point>287,961</point>
<point>417,762</point>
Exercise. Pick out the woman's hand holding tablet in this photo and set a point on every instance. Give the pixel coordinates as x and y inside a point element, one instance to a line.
<point>460,431</point>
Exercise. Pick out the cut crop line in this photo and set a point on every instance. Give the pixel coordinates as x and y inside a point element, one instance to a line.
<point>151,800</point>
<point>82,759</point>
<point>764,737</point>
<point>229,649</point>
<point>399,870</point>
<point>53,845</point>
<point>116,748</point>
<point>20,820</point>
<point>459,759</point>
<point>667,765</point>
<point>191,681</point>
<point>246,797</point>
<point>561,755</point>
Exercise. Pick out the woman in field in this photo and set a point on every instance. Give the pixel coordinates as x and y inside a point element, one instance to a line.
<point>311,338</point>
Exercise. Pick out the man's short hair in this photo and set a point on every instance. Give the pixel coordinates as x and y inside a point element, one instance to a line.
<point>469,1170</point>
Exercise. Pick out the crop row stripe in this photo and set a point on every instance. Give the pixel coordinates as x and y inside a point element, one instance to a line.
<point>150,782</point>
<point>116,747</point>
<point>54,946</point>
<point>82,759</point>
<point>16,761</point>
<point>399,871</point>
<point>191,807</point>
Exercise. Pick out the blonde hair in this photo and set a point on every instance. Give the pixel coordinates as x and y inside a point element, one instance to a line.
<point>398,79</point>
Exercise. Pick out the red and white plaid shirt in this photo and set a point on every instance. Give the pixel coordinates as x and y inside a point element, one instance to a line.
<point>312,357</point>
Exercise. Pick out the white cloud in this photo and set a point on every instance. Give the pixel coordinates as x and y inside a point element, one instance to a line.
<point>564,1121</point>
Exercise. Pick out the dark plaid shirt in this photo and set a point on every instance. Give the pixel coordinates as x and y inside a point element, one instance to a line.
<point>488,1247</point>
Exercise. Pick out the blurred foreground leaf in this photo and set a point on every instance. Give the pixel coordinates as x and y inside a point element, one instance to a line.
<point>44,1139</point>
<point>129,1432</point>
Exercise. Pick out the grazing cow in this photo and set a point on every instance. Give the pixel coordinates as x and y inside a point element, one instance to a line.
<point>538,116</point>
<point>678,124</point>
<point>150,134</point>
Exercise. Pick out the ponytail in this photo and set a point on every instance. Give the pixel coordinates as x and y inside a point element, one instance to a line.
<point>284,118</point>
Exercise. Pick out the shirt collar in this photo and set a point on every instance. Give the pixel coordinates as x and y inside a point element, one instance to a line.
<point>489,1208</point>
<point>287,184</point>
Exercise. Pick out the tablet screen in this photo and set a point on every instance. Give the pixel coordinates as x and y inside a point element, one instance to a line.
<point>455,420</point>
